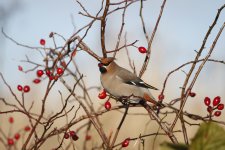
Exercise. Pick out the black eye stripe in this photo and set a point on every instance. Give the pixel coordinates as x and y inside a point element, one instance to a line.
<point>102,69</point>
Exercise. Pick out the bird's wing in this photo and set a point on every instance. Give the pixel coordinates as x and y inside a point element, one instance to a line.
<point>130,78</point>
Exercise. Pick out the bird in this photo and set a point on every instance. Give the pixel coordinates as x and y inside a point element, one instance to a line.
<point>123,84</point>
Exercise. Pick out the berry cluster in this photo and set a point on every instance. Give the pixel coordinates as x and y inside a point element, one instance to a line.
<point>71,134</point>
<point>25,89</point>
<point>216,106</point>
<point>12,140</point>
<point>49,74</point>
<point>103,95</point>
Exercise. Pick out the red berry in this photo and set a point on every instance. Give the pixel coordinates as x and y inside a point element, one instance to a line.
<point>26,88</point>
<point>72,133</point>
<point>10,141</point>
<point>75,137</point>
<point>20,68</point>
<point>40,73</point>
<point>142,49</point>
<point>161,97</point>
<point>36,81</point>
<point>217,113</point>
<point>11,119</point>
<point>210,109</point>
<point>17,136</point>
<point>51,77</point>
<point>220,107</point>
<point>125,143</point>
<point>60,71</point>
<point>27,128</point>
<point>107,105</point>
<point>20,88</point>
<point>192,94</point>
<point>48,72</point>
<point>207,101</point>
<point>66,135</point>
<point>102,95</point>
<point>42,42</point>
<point>216,101</point>
<point>88,137</point>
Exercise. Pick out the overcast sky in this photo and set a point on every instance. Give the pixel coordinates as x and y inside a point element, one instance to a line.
<point>181,31</point>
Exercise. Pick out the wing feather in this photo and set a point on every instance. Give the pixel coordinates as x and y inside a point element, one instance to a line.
<point>130,78</point>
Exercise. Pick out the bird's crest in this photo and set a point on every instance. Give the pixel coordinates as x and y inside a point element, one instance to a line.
<point>107,61</point>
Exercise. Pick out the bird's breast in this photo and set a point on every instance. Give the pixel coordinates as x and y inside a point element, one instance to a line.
<point>118,88</point>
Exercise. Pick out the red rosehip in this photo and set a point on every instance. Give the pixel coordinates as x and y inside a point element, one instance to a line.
<point>27,128</point>
<point>210,109</point>
<point>66,135</point>
<point>42,42</point>
<point>40,73</point>
<point>51,77</point>
<point>216,101</point>
<point>207,101</point>
<point>10,141</point>
<point>142,49</point>
<point>36,81</point>
<point>125,143</point>
<point>75,137</point>
<point>60,71</point>
<point>20,68</point>
<point>192,94</point>
<point>161,97</point>
<point>48,72</point>
<point>72,133</point>
<point>88,137</point>
<point>102,95</point>
<point>217,113</point>
<point>17,136</point>
<point>107,105</point>
<point>11,119</point>
<point>20,88</point>
<point>220,107</point>
<point>26,88</point>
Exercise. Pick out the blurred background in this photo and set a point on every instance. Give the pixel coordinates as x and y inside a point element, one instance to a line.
<point>181,32</point>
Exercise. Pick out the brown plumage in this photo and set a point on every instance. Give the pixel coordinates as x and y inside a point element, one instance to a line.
<point>121,83</point>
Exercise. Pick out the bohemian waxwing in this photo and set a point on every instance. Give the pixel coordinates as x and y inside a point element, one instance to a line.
<point>122,83</point>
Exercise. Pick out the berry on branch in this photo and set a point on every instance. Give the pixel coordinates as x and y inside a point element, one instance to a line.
<point>125,143</point>
<point>42,42</point>
<point>102,95</point>
<point>26,88</point>
<point>207,101</point>
<point>142,49</point>
<point>216,101</point>
<point>107,105</point>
